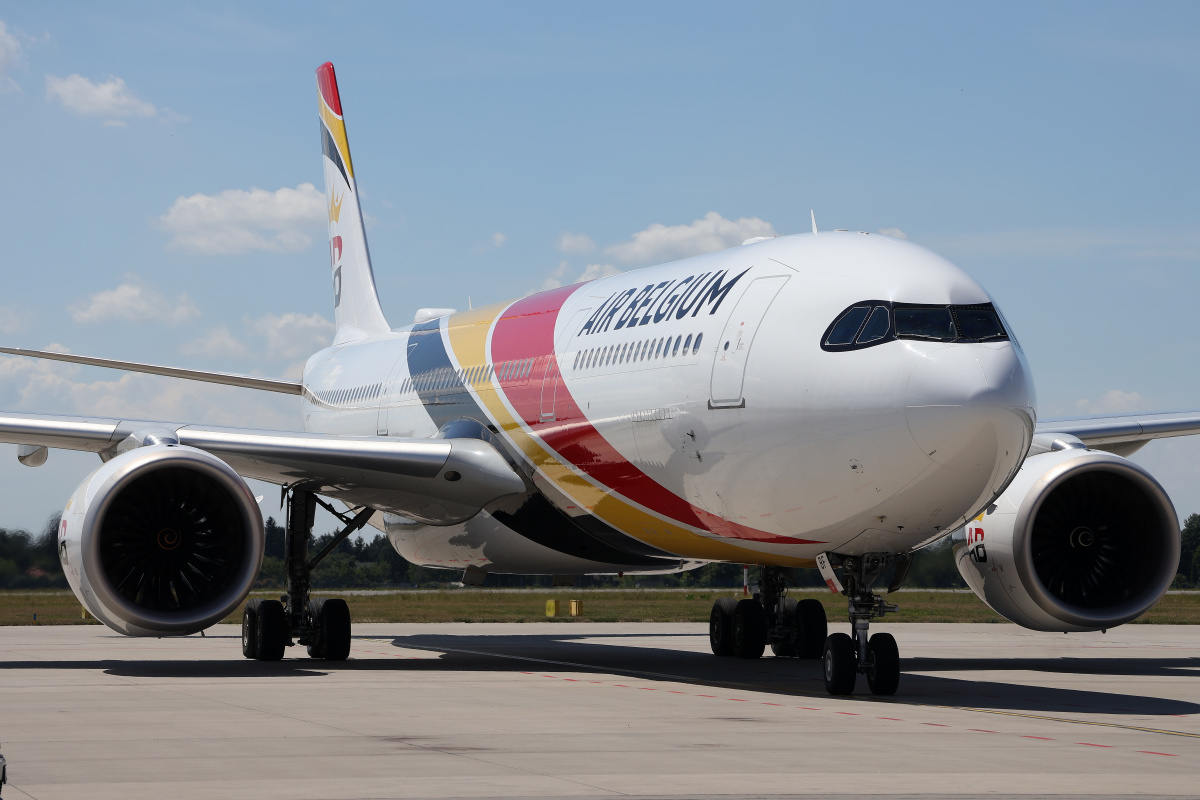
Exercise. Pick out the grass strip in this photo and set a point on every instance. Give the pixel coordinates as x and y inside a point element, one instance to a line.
<point>57,607</point>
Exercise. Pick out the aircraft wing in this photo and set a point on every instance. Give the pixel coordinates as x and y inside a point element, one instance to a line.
<point>437,481</point>
<point>1124,432</point>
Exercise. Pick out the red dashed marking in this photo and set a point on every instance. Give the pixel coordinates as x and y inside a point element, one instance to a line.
<point>843,713</point>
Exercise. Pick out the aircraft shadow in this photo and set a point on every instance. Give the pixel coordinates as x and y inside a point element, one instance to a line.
<point>790,677</point>
<point>618,653</point>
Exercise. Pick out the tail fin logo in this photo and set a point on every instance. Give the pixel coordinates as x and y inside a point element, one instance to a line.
<point>335,208</point>
<point>335,249</point>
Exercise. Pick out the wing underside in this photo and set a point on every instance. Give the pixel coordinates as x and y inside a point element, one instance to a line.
<point>437,481</point>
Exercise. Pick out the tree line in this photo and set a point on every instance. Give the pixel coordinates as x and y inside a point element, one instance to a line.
<point>30,561</point>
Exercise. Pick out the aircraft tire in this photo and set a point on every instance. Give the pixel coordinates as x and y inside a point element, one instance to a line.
<point>720,626</point>
<point>334,625</point>
<point>812,628</point>
<point>272,632</point>
<point>786,647</point>
<point>316,643</point>
<point>841,664</point>
<point>883,675</point>
<point>250,629</point>
<point>749,629</point>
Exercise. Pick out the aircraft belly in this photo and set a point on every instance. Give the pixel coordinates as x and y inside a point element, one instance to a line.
<point>486,543</point>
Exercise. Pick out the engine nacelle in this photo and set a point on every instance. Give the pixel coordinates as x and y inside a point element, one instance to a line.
<point>1081,540</point>
<point>162,540</point>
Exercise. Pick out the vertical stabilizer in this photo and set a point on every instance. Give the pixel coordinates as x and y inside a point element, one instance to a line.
<point>355,304</point>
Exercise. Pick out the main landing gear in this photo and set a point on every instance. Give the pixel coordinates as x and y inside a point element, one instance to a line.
<point>744,628</point>
<point>876,656</point>
<point>323,624</point>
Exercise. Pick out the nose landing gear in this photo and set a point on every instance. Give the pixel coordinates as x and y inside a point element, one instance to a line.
<point>876,656</point>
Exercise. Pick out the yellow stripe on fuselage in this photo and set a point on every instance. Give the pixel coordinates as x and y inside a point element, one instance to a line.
<point>468,332</point>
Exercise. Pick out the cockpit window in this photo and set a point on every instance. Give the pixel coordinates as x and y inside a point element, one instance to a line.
<point>845,328</point>
<point>980,323</point>
<point>872,322</point>
<point>877,326</point>
<point>935,323</point>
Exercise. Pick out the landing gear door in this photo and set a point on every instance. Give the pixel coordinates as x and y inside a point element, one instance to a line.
<point>733,348</point>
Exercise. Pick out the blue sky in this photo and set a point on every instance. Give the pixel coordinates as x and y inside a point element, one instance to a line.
<point>1048,149</point>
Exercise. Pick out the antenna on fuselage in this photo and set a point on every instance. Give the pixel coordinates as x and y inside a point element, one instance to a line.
<point>814,220</point>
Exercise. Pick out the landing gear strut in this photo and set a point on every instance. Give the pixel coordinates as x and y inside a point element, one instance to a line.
<point>876,656</point>
<point>323,624</point>
<point>744,628</point>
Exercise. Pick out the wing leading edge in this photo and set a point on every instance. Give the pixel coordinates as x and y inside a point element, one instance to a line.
<point>225,378</point>
<point>437,481</point>
<point>1124,433</point>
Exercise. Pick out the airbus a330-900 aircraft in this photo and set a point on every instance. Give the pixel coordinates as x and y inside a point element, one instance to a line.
<point>833,400</point>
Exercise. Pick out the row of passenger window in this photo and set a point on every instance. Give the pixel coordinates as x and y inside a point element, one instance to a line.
<point>350,396</point>
<point>447,378</point>
<point>432,380</point>
<point>873,322</point>
<point>668,347</point>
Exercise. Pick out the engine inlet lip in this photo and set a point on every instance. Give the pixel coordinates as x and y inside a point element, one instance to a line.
<point>1118,614</point>
<point>134,619</point>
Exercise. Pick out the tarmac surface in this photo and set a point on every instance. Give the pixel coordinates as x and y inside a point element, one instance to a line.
<point>596,711</point>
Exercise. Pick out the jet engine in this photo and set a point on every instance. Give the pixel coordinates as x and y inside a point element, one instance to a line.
<point>162,540</point>
<point>1081,540</point>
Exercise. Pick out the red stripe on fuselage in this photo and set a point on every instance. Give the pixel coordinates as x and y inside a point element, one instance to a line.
<point>526,331</point>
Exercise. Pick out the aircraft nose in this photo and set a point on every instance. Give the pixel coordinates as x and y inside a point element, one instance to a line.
<point>971,407</point>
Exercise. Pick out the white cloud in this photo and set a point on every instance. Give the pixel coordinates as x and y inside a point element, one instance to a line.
<point>665,243</point>
<point>10,56</point>
<point>12,319</point>
<point>590,273</point>
<point>1114,402</point>
<point>292,335</point>
<point>575,243</point>
<point>216,343</point>
<point>238,221</point>
<point>134,302</point>
<point>110,99</point>
<point>498,239</point>
<point>37,384</point>
<point>895,233</point>
<point>593,271</point>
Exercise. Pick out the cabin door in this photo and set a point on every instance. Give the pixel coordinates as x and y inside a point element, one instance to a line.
<point>733,348</point>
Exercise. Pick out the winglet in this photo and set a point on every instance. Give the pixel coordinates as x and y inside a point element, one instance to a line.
<point>356,305</point>
<point>814,221</point>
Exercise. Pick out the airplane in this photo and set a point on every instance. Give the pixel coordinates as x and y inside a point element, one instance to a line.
<point>831,400</point>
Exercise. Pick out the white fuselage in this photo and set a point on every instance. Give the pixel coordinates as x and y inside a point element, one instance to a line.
<point>747,440</point>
